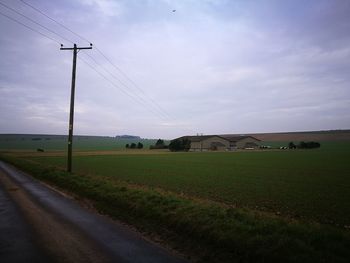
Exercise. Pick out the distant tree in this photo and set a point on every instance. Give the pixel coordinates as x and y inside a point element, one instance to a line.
<point>159,145</point>
<point>291,145</point>
<point>302,145</point>
<point>175,145</point>
<point>133,145</point>
<point>180,145</point>
<point>159,142</point>
<point>316,145</point>
<point>139,145</point>
<point>309,145</point>
<point>127,146</point>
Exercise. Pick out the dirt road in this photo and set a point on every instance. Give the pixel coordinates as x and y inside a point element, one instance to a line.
<point>38,224</point>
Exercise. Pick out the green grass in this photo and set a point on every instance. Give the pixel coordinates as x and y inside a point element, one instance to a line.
<point>59,143</point>
<point>212,232</point>
<point>249,206</point>
<point>308,184</point>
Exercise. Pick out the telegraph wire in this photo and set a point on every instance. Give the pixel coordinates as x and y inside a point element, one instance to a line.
<point>131,81</point>
<point>30,28</point>
<point>123,84</point>
<point>54,20</point>
<point>35,22</point>
<point>144,103</point>
<point>103,55</point>
<point>164,113</point>
<point>118,87</point>
<point>99,51</point>
<point>114,76</point>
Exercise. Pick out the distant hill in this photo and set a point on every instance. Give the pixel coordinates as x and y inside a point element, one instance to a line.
<point>131,137</point>
<point>331,135</point>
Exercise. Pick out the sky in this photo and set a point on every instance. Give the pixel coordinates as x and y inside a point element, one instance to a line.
<point>168,68</point>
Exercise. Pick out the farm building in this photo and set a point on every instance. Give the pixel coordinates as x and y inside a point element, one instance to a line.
<point>221,142</point>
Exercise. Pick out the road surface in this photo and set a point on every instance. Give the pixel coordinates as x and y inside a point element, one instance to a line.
<point>39,224</point>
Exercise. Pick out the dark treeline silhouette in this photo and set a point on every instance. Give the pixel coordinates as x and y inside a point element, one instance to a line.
<point>159,145</point>
<point>309,145</point>
<point>304,145</point>
<point>134,146</point>
<point>180,145</point>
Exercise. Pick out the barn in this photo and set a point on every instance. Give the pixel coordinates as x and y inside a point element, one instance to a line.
<point>221,142</point>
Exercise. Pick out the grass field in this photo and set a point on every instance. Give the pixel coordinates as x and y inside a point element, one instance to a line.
<point>244,206</point>
<point>59,142</point>
<point>312,184</point>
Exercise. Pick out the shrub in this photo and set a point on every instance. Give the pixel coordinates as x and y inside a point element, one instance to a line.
<point>139,145</point>
<point>133,146</point>
<point>309,145</point>
<point>159,145</point>
<point>291,145</point>
<point>180,145</point>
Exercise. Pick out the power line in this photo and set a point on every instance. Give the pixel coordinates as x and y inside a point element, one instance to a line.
<point>118,87</point>
<point>123,84</point>
<point>144,103</point>
<point>103,55</point>
<point>54,20</point>
<point>131,81</point>
<point>131,96</point>
<point>35,22</point>
<point>30,28</point>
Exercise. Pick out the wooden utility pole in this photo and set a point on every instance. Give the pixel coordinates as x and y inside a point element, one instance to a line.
<point>71,112</point>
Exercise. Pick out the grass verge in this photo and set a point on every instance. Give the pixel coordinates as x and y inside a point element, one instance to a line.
<point>211,232</point>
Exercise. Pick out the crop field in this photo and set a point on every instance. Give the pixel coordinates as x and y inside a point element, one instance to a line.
<point>244,206</point>
<point>307,184</point>
<point>59,142</point>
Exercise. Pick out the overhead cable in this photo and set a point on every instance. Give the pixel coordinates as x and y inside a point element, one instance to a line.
<point>35,22</point>
<point>131,81</point>
<point>54,20</point>
<point>123,84</point>
<point>118,87</point>
<point>30,28</point>
<point>103,55</point>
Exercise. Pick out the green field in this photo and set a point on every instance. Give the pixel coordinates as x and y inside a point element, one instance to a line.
<point>244,206</point>
<point>311,184</point>
<point>59,142</point>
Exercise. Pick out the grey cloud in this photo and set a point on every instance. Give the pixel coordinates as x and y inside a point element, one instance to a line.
<point>215,66</point>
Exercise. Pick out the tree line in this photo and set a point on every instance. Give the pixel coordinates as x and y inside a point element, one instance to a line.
<point>134,146</point>
<point>159,145</point>
<point>304,145</point>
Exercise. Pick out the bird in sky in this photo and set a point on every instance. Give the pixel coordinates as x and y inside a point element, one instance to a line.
<point>174,10</point>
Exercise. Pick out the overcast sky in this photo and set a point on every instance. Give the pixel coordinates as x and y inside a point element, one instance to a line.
<point>211,67</point>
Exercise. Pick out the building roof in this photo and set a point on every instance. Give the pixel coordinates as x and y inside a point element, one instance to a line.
<point>236,138</point>
<point>197,138</point>
<point>217,144</point>
<point>230,138</point>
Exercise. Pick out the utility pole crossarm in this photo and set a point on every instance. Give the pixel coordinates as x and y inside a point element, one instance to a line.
<point>72,48</point>
<point>71,113</point>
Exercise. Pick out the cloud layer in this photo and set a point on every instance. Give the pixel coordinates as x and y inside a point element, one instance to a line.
<point>209,67</point>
